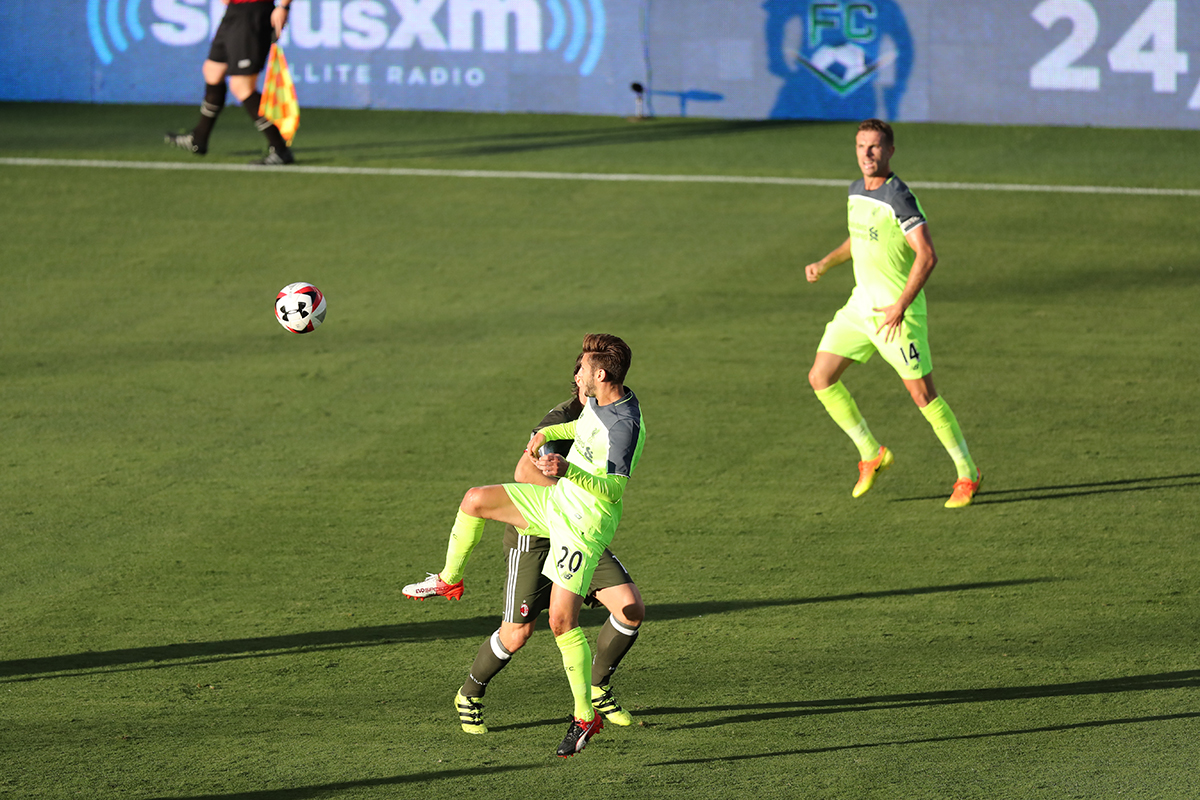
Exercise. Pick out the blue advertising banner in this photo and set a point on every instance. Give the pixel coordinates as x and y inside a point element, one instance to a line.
<point>1072,62</point>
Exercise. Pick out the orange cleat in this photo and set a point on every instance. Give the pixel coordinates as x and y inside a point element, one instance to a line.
<point>868,470</point>
<point>964,491</point>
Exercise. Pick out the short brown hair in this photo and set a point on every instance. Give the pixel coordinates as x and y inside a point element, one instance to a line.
<point>609,353</point>
<point>879,126</point>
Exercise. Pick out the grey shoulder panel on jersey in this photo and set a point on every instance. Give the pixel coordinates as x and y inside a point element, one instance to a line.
<point>897,194</point>
<point>623,421</point>
<point>894,192</point>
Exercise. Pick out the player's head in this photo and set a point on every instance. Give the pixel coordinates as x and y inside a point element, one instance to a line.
<point>880,127</point>
<point>874,145</point>
<point>605,358</point>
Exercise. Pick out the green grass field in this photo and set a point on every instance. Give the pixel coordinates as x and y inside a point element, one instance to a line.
<point>206,520</point>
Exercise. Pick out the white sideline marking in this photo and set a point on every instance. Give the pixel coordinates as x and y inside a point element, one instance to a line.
<point>586,176</point>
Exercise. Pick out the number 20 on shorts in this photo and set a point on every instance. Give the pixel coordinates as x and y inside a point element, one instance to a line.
<point>570,560</point>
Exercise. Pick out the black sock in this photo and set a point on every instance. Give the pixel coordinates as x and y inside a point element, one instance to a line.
<point>210,109</point>
<point>611,646</point>
<point>264,125</point>
<point>492,657</point>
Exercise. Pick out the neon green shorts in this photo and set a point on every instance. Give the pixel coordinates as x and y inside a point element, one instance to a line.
<point>852,335</point>
<point>574,553</point>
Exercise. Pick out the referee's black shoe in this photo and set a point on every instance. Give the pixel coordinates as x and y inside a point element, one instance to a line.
<point>185,141</point>
<point>276,158</point>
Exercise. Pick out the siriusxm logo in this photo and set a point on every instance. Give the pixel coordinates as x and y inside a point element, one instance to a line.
<point>575,28</point>
<point>112,23</point>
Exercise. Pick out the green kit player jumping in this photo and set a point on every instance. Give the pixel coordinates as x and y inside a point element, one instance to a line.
<point>893,256</point>
<point>579,513</point>
<point>527,593</point>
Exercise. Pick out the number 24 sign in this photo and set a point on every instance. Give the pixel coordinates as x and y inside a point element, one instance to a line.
<point>1148,46</point>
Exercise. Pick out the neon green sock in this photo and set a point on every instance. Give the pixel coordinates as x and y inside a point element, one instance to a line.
<point>465,534</point>
<point>945,425</point>
<point>577,660</point>
<point>842,408</point>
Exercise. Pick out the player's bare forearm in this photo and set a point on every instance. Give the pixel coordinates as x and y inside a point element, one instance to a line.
<point>527,472</point>
<point>923,263</point>
<point>840,255</point>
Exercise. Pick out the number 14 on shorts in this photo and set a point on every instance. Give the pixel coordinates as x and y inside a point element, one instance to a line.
<point>910,354</point>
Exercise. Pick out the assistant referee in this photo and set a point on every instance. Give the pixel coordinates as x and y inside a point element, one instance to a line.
<point>239,52</point>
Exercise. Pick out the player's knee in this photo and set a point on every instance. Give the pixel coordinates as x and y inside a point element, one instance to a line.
<point>562,622</point>
<point>625,604</point>
<point>818,380</point>
<point>514,637</point>
<point>473,502</point>
<point>632,615</point>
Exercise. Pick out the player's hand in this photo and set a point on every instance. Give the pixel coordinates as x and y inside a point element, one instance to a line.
<point>814,272</point>
<point>552,465</point>
<point>893,320</point>
<point>535,445</point>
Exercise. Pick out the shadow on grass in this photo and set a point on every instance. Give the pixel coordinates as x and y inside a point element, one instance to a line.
<point>991,497</point>
<point>373,636</point>
<point>1101,723</point>
<point>761,712</point>
<point>326,789</point>
<point>531,141</point>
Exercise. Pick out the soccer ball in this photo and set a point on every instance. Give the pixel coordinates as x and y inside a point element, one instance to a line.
<point>300,307</point>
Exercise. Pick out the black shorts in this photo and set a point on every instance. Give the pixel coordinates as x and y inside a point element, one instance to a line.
<point>243,39</point>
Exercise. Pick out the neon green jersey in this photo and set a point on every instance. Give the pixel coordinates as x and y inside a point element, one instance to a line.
<point>879,221</point>
<point>608,444</point>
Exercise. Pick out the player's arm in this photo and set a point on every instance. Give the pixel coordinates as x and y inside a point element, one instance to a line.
<point>841,255</point>
<point>923,264</point>
<point>623,439</point>
<point>527,471</point>
<point>608,488</point>
<point>564,430</point>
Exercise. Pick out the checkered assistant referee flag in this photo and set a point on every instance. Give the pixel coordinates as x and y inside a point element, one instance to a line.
<point>279,102</point>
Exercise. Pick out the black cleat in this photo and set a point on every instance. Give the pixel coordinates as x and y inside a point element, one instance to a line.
<point>185,141</point>
<point>276,158</point>
<point>579,734</point>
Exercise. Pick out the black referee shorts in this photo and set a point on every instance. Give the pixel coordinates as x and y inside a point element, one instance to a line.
<point>243,39</point>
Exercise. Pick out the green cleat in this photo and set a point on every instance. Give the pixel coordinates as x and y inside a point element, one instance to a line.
<point>470,713</point>
<point>869,470</point>
<point>604,703</point>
